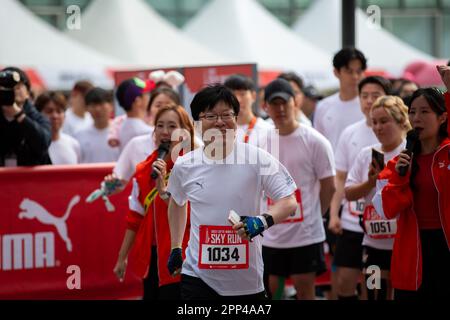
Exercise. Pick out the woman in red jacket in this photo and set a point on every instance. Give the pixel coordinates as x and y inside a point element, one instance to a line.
<point>147,220</point>
<point>421,200</point>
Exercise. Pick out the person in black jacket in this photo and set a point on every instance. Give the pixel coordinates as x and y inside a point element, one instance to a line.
<point>24,132</point>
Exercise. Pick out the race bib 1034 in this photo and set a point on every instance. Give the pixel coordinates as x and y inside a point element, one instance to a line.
<point>221,247</point>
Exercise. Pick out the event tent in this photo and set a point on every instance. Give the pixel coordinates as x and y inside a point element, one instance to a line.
<point>133,32</point>
<point>247,32</point>
<point>321,24</point>
<point>30,43</point>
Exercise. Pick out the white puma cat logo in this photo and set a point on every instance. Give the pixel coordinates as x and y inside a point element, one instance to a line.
<point>31,210</point>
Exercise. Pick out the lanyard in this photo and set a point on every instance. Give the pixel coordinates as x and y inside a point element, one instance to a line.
<point>251,125</point>
<point>152,195</point>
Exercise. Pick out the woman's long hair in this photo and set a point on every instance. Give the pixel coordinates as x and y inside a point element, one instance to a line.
<point>436,101</point>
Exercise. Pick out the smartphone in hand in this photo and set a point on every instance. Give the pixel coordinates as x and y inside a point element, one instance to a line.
<point>234,218</point>
<point>378,157</point>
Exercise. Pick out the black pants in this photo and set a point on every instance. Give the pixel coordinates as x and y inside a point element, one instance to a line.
<point>152,290</point>
<point>193,288</point>
<point>435,269</point>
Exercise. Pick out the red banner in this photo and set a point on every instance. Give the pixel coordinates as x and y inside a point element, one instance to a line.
<point>54,245</point>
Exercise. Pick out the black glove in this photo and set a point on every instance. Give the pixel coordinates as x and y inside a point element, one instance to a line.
<point>254,226</point>
<point>175,261</point>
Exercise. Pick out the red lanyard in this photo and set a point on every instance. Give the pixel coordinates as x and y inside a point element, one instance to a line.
<point>251,125</point>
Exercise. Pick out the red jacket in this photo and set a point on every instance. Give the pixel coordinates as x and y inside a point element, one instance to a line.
<point>394,198</point>
<point>155,219</point>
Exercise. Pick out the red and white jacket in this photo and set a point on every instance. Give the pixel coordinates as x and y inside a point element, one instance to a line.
<point>394,199</point>
<point>151,224</point>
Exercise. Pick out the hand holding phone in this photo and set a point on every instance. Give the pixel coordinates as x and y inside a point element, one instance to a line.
<point>378,157</point>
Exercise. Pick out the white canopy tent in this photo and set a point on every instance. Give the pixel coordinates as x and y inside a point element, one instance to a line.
<point>133,32</point>
<point>29,42</point>
<point>247,32</point>
<point>321,24</point>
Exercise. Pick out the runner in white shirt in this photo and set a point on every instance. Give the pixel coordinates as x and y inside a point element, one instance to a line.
<point>250,128</point>
<point>335,113</point>
<point>94,140</point>
<point>390,123</point>
<point>224,175</point>
<point>133,96</point>
<point>77,117</point>
<point>295,247</point>
<point>348,255</point>
<point>63,149</point>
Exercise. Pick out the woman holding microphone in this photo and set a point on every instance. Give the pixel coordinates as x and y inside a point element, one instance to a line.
<point>147,221</point>
<point>420,199</point>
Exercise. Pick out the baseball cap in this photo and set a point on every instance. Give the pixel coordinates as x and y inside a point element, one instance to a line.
<point>278,88</point>
<point>23,76</point>
<point>130,89</point>
<point>311,92</point>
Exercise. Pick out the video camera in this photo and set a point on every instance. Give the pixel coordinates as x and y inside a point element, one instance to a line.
<point>8,80</point>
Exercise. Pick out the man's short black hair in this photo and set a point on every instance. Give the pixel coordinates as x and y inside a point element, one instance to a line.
<point>239,82</point>
<point>344,56</point>
<point>23,76</point>
<point>292,76</point>
<point>97,96</point>
<point>207,98</point>
<point>381,81</point>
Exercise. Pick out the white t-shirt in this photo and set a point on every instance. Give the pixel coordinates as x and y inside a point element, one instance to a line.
<point>94,146</point>
<point>258,134</point>
<point>308,157</point>
<point>333,115</point>
<point>213,189</point>
<point>131,128</point>
<point>74,123</point>
<point>358,174</point>
<point>354,138</point>
<point>65,150</point>
<point>137,150</point>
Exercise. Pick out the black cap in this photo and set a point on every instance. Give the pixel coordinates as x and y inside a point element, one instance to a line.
<point>311,92</point>
<point>278,88</point>
<point>23,76</point>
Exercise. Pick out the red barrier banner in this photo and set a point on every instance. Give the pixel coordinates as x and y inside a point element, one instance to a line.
<point>54,245</point>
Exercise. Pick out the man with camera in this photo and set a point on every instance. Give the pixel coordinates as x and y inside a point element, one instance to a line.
<point>24,132</point>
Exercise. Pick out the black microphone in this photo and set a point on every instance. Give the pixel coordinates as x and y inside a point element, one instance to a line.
<point>163,150</point>
<point>411,139</point>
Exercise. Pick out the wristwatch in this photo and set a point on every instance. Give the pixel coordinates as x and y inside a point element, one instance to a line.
<point>165,195</point>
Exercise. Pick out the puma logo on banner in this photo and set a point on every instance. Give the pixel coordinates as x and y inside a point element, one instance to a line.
<point>33,210</point>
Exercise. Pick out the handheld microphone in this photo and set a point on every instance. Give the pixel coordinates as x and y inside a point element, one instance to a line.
<point>163,150</point>
<point>411,139</point>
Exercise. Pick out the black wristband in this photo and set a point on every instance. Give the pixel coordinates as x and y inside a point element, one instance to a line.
<point>269,220</point>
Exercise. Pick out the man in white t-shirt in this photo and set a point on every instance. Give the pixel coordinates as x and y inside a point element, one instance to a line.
<point>133,96</point>
<point>77,117</point>
<point>250,128</point>
<point>224,260</point>
<point>63,150</point>
<point>336,112</point>
<point>94,139</point>
<point>294,248</point>
<point>348,255</point>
